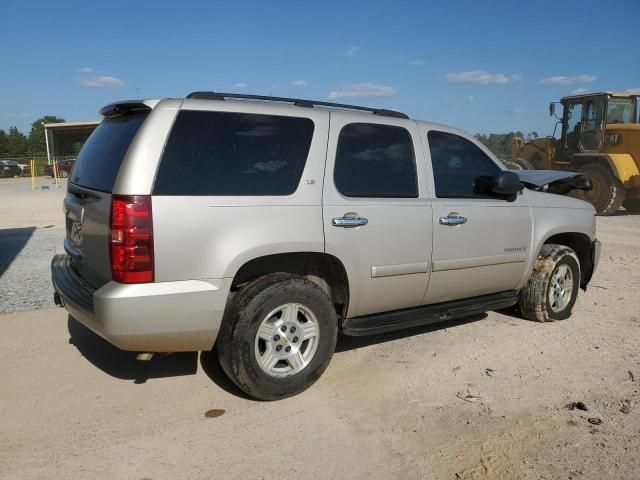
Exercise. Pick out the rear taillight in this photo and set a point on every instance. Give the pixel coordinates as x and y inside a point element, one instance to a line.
<point>131,239</point>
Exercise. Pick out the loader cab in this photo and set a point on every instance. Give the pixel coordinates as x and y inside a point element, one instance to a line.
<point>585,118</point>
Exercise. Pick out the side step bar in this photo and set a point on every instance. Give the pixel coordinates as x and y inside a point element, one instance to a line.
<point>427,314</point>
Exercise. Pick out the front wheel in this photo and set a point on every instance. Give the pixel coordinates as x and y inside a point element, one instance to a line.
<point>552,289</point>
<point>278,336</point>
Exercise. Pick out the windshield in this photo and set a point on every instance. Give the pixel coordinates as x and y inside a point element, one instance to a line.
<point>621,110</point>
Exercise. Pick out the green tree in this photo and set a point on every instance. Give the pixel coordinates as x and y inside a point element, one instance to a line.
<point>532,136</point>
<point>499,143</point>
<point>37,144</point>
<point>4,144</point>
<point>18,144</point>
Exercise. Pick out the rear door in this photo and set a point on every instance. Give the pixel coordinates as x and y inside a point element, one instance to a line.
<point>377,219</point>
<point>87,205</point>
<point>480,241</point>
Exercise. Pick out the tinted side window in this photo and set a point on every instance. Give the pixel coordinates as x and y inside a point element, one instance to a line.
<point>375,161</point>
<point>459,166</point>
<point>222,153</point>
<point>102,154</point>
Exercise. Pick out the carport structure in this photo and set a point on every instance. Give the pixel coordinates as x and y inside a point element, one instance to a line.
<point>61,137</point>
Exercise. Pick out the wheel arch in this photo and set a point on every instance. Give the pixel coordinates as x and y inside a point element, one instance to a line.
<point>582,245</point>
<point>326,270</point>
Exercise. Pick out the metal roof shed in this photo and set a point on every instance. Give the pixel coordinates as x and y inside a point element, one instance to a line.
<point>61,137</point>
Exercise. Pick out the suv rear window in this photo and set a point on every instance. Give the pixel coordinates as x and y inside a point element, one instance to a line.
<point>224,153</point>
<point>102,154</point>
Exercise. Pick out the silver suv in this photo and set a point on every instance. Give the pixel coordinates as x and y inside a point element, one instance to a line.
<point>270,225</point>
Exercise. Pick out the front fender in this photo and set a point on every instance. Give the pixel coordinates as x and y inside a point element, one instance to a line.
<point>554,215</point>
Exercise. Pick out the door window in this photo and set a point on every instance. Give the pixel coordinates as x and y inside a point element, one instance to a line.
<point>574,124</point>
<point>591,138</point>
<point>459,166</point>
<point>375,160</point>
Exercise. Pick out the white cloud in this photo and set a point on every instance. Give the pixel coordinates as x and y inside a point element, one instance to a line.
<point>352,51</point>
<point>299,83</point>
<point>85,70</point>
<point>106,81</point>
<point>240,85</point>
<point>481,77</point>
<point>566,80</point>
<point>584,78</point>
<point>579,91</point>
<point>418,63</point>
<point>365,89</point>
<point>633,91</point>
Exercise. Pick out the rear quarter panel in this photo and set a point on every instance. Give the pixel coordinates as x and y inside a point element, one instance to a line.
<point>209,237</point>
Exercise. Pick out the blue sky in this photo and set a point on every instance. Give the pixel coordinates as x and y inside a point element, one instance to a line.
<point>484,66</point>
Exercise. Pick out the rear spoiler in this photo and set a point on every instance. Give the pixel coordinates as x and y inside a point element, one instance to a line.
<point>126,107</point>
<point>553,181</point>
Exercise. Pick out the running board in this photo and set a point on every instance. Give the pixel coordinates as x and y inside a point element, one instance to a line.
<point>427,314</point>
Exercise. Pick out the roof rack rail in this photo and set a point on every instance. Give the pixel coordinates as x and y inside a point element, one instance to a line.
<point>296,101</point>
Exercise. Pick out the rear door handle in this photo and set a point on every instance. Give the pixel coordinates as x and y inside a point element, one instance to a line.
<point>349,222</point>
<point>453,220</point>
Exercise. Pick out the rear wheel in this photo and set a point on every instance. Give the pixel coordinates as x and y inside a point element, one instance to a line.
<point>607,193</point>
<point>278,336</point>
<point>632,205</point>
<point>552,289</point>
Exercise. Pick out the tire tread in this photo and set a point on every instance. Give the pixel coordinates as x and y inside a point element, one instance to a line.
<point>532,300</point>
<point>239,315</point>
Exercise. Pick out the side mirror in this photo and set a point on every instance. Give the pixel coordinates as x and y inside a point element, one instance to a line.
<point>552,109</point>
<point>507,184</point>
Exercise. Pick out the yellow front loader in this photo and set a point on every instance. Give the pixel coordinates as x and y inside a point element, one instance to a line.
<point>600,137</point>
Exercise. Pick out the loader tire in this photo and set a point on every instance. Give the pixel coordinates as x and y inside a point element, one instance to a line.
<point>607,193</point>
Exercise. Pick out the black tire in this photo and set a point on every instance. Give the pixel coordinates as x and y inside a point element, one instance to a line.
<point>534,300</point>
<point>244,315</point>
<point>523,164</point>
<point>632,205</point>
<point>607,193</point>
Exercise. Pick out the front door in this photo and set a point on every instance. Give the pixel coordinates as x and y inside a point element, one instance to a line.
<point>480,241</point>
<point>573,128</point>
<point>593,125</point>
<point>377,219</point>
<point>584,130</point>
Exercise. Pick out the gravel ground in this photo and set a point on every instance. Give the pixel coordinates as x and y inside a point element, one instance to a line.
<point>31,232</point>
<point>482,398</point>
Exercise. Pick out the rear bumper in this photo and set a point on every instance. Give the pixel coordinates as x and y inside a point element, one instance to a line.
<point>147,317</point>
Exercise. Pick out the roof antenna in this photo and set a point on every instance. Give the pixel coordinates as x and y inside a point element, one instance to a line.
<point>138,91</point>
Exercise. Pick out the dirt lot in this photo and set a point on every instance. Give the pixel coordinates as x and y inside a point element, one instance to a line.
<point>389,406</point>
